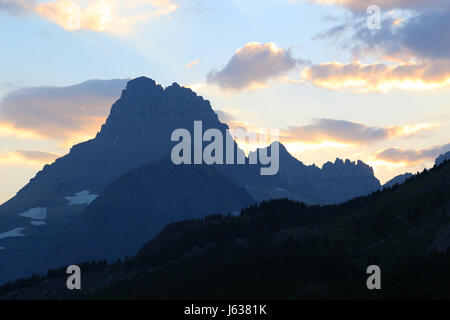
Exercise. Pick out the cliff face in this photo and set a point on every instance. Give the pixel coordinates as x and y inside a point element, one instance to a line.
<point>137,131</point>
<point>333,183</point>
<point>344,180</point>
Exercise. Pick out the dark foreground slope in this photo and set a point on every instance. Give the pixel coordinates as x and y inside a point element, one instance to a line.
<point>286,250</point>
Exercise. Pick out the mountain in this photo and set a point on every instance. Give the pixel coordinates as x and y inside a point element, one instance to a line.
<point>282,249</point>
<point>333,183</point>
<point>442,158</point>
<point>138,133</point>
<point>403,177</point>
<point>139,204</point>
<point>344,180</point>
<point>398,180</point>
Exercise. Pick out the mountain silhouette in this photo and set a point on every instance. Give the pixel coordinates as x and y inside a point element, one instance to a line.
<point>398,179</point>
<point>139,204</point>
<point>137,133</point>
<point>442,158</point>
<point>333,183</point>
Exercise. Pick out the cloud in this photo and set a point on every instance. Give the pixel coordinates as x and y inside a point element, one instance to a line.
<point>422,36</point>
<point>30,156</point>
<point>253,65</point>
<point>191,64</point>
<point>229,116</point>
<point>348,132</point>
<point>336,31</point>
<point>62,113</point>
<point>331,132</point>
<point>321,134</point>
<point>17,7</point>
<point>225,115</point>
<point>116,16</point>
<point>70,16</point>
<point>411,157</point>
<point>163,7</point>
<point>412,40</point>
<point>379,77</point>
<point>403,34</point>
<point>8,130</point>
<point>360,6</point>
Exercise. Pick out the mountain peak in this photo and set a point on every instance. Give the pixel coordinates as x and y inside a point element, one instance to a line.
<point>283,152</point>
<point>141,82</point>
<point>280,146</point>
<point>349,165</point>
<point>144,97</point>
<point>442,158</point>
<point>175,84</point>
<point>141,88</point>
<point>146,106</point>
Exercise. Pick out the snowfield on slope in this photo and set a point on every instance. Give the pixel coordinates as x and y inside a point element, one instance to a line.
<point>35,213</point>
<point>17,232</point>
<point>82,197</point>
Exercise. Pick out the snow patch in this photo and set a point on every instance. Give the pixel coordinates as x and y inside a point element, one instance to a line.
<point>83,197</point>
<point>35,213</point>
<point>38,223</point>
<point>17,232</point>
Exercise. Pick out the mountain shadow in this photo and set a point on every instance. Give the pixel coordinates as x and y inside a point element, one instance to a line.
<point>139,204</point>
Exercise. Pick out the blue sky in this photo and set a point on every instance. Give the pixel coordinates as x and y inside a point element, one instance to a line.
<point>271,64</point>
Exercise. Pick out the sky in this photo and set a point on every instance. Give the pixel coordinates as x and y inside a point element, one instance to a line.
<point>334,76</point>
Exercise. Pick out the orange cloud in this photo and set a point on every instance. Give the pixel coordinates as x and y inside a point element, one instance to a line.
<point>325,133</point>
<point>252,66</point>
<point>68,114</point>
<point>116,16</point>
<point>28,156</point>
<point>409,157</point>
<point>163,7</point>
<point>192,63</point>
<point>362,5</point>
<point>379,77</point>
<point>8,130</point>
<point>349,133</point>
